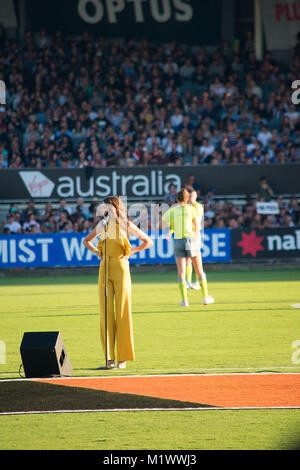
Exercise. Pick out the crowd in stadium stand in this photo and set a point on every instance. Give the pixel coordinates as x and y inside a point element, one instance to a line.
<point>82,217</point>
<point>80,102</point>
<point>75,102</point>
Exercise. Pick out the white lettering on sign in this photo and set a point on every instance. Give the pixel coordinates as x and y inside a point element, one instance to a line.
<point>285,242</point>
<point>75,250</point>
<point>24,246</point>
<point>218,242</point>
<point>161,11</point>
<point>96,17</point>
<point>73,247</point>
<point>295,94</point>
<point>44,242</point>
<point>156,184</point>
<point>21,249</point>
<point>214,245</point>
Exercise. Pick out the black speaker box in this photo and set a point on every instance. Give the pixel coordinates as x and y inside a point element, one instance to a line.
<point>44,355</point>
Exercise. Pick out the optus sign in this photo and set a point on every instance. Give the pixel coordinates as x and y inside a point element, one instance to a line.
<point>94,11</point>
<point>188,21</point>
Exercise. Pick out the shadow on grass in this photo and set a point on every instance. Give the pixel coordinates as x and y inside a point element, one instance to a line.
<point>54,277</point>
<point>28,396</point>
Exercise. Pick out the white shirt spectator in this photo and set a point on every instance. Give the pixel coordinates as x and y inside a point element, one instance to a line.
<point>31,224</point>
<point>293,115</point>
<point>166,144</point>
<point>264,137</point>
<point>13,225</point>
<point>217,88</point>
<point>206,149</point>
<point>176,118</point>
<point>254,145</point>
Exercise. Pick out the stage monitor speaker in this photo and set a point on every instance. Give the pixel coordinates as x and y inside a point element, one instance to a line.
<point>44,355</point>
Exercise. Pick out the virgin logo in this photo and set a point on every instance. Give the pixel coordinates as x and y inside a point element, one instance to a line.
<point>37,184</point>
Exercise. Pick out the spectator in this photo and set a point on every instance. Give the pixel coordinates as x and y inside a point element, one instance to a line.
<point>265,192</point>
<point>170,197</point>
<point>66,226</point>
<point>31,222</point>
<point>30,209</point>
<point>264,136</point>
<point>12,225</point>
<point>191,185</point>
<point>294,210</point>
<point>187,70</point>
<point>81,208</point>
<point>63,208</point>
<point>206,150</point>
<point>210,202</point>
<point>176,119</point>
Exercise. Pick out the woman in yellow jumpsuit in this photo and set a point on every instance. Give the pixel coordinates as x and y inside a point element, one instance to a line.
<point>118,330</point>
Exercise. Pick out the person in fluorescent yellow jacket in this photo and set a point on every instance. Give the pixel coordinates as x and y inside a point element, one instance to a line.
<point>183,222</point>
<point>189,265</point>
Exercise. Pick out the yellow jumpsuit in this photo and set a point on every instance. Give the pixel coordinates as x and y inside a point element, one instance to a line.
<point>119,319</point>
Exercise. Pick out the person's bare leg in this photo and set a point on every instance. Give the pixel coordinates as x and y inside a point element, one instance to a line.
<point>201,276</point>
<point>181,270</point>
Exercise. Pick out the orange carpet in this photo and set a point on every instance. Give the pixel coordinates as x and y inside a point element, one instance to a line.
<point>248,390</point>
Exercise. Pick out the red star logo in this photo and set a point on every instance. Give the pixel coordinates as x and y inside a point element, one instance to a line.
<point>251,243</point>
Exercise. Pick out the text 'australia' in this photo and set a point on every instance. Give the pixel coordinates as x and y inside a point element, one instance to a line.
<point>153,184</point>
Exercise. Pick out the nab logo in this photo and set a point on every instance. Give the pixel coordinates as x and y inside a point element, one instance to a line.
<point>37,184</point>
<point>251,244</point>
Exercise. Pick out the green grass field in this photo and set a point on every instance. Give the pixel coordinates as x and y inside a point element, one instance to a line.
<point>250,328</point>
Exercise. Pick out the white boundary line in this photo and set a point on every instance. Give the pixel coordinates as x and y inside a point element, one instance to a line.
<point>247,374</point>
<point>126,410</point>
<point>195,370</point>
<point>157,376</point>
<point>186,371</point>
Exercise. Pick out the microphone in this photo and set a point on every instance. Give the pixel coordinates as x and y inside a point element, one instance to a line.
<point>105,220</point>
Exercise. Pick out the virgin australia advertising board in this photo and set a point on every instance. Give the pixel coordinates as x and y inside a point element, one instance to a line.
<point>66,250</point>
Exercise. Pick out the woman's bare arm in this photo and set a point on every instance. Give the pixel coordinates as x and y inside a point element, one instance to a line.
<point>146,240</point>
<point>87,241</point>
